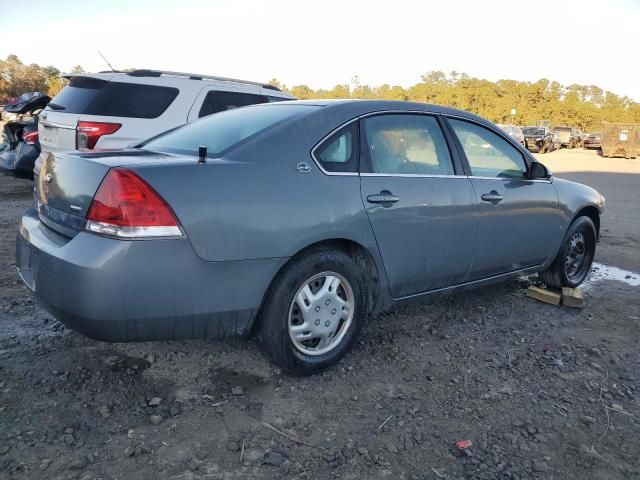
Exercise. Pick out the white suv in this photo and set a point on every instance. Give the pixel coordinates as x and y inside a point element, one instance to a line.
<point>116,109</point>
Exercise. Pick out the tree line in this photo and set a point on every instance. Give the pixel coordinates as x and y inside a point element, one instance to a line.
<point>17,78</point>
<point>581,106</point>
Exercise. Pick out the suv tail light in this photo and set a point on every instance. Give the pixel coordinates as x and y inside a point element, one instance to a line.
<point>88,133</point>
<point>30,138</point>
<point>126,206</point>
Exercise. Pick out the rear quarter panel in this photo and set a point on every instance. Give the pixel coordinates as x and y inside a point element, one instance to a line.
<point>255,204</point>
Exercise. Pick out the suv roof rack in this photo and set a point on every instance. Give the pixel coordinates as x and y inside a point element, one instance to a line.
<point>143,72</point>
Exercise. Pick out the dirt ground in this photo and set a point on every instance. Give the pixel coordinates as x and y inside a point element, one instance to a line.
<point>542,392</point>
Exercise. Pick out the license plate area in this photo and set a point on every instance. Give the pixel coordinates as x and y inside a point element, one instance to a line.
<point>49,135</point>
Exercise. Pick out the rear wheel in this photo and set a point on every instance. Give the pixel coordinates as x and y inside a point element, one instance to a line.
<point>313,311</point>
<point>573,263</point>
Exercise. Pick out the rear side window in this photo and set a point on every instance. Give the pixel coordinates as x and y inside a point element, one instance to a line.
<point>75,97</point>
<point>133,100</point>
<point>339,152</point>
<point>221,132</point>
<point>219,101</point>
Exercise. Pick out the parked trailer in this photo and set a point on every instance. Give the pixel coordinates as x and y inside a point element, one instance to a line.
<point>620,140</point>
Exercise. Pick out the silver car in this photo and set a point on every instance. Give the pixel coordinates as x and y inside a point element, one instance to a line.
<point>295,221</point>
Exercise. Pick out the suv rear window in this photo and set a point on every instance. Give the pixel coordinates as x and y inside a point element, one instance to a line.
<point>219,101</point>
<point>75,97</point>
<point>135,100</point>
<point>221,132</point>
<point>92,96</point>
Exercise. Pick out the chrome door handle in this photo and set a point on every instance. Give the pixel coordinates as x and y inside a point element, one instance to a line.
<point>383,197</point>
<point>493,197</point>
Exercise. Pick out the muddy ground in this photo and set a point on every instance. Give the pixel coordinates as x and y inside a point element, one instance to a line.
<point>542,392</point>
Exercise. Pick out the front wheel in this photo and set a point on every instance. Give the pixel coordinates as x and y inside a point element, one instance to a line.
<point>313,311</point>
<point>573,263</point>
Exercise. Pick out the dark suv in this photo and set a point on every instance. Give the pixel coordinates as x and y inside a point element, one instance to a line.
<point>540,139</point>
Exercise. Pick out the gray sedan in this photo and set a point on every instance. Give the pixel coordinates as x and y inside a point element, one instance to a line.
<point>295,221</point>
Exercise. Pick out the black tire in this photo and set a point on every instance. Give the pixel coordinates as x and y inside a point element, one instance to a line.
<point>273,326</point>
<point>541,149</point>
<point>558,274</point>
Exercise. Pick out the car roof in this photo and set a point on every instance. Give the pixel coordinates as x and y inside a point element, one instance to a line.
<point>357,107</point>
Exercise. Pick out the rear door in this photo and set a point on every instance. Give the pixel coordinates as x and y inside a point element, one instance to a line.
<point>58,121</point>
<point>141,109</point>
<point>422,211</point>
<point>518,218</point>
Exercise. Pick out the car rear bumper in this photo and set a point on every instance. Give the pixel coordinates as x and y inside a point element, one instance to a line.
<point>123,291</point>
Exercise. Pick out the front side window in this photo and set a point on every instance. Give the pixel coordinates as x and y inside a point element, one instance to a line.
<point>219,101</point>
<point>339,152</point>
<point>406,144</point>
<point>487,153</point>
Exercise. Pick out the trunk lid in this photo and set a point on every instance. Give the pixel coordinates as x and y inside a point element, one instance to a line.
<point>67,183</point>
<point>57,131</point>
<point>28,103</point>
<point>59,120</point>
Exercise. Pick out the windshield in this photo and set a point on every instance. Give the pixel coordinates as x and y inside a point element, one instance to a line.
<point>222,131</point>
<point>533,131</point>
<point>562,129</point>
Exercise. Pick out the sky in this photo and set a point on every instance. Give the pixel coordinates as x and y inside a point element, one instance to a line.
<point>328,42</point>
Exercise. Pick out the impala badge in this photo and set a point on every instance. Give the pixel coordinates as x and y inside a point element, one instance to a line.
<point>303,167</point>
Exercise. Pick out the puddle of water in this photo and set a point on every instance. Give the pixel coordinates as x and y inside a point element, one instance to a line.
<point>600,272</point>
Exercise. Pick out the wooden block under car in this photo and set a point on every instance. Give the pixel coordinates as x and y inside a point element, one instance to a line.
<point>572,297</point>
<point>544,295</point>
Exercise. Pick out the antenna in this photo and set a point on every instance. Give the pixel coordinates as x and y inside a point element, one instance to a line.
<point>106,61</point>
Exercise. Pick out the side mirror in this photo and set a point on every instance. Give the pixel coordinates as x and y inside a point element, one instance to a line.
<point>538,171</point>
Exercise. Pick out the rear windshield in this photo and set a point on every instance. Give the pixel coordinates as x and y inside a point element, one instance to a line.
<point>75,97</point>
<point>562,129</point>
<point>222,131</point>
<point>533,131</point>
<point>116,99</point>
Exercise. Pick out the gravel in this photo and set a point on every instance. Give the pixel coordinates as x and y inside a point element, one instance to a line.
<point>524,381</point>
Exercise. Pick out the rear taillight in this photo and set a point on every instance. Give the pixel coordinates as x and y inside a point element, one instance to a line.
<point>126,206</point>
<point>30,138</point>
<point>88,133</point>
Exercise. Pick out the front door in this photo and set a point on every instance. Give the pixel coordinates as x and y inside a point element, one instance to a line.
<point>423,215</point>
<point>518,218</point>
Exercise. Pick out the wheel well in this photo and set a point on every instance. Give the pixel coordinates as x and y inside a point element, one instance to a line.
<point>360,254</point>
<point>593,213</point>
